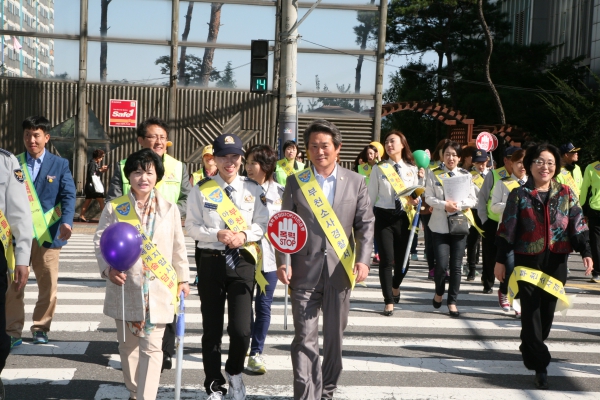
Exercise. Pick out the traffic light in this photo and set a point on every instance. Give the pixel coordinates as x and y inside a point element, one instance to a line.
<point>259,66</point>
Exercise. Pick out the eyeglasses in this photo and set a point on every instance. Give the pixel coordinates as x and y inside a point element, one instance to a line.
<point>155,138</point>
<point>454,155</point>
<point>539,162</point>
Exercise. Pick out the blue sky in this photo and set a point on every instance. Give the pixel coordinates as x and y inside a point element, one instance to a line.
<point>239,24</point>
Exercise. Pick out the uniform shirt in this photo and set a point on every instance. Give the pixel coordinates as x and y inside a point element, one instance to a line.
<point>381,192</point>
<point>34,164</point>
<point>15,205</point>
<point>434,196</point>
<point>500,194</point>
<point>273,193</point>
<point>483,175</point>
<point>203,222</point>
<point>328,184</point>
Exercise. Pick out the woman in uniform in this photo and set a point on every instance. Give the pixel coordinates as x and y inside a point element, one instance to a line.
<point>391,218</point>
<point>228,216</point>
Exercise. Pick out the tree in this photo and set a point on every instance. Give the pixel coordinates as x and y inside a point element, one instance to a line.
<point>213,33</point>
<point>365,32</point>
<point>184,36</point>
<point>103,31</point>
<point>226,77</point>
<point>193,74</point>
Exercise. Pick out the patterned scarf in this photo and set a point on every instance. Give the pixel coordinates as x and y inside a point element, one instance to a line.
<point>148,216</point>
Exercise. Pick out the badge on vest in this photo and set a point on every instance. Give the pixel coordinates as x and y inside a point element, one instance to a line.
<point>50,178</point>
<point>216,196</point>
<point>19,175</point>
<point>304,176</point>
<point>263,199</point>
<point>123,209</point>
<point>502,173</point>
<point>249,199</point>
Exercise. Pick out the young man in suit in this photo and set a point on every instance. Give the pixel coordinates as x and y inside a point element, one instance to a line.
<point>334,204</point>
<point>51,196</point>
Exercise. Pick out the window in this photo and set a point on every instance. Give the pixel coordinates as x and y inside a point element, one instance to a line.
<point>519,27</point>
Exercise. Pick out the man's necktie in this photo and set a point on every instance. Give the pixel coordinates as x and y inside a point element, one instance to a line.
<point>232,256</point>
<point>451,174</point>
<point>397,202</point>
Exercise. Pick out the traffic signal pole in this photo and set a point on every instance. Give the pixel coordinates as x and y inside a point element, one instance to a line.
<point>288,102</point>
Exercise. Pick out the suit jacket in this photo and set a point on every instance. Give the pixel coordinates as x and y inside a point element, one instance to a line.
<point>60,190</point>
<point>352,206</point>
<point>168,238</point>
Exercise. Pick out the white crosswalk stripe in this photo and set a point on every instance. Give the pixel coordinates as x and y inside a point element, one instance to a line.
<point>414,354</point>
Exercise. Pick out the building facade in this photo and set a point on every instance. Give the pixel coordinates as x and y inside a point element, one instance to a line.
<point>569,25</point>
<point>23,56</point>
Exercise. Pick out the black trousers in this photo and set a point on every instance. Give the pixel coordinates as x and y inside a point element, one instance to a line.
<point>449,250</point>
<point>4,338</point>
<point>429,253</point>
<point>218,283</point>
<point>488,250</point>
<point>392,234</point>
<point>473,239</point>
<point>168,340</point>
<point>594,225</point>
<point>537,308</point>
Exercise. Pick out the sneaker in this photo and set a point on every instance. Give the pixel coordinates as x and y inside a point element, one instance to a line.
<point>375,259</point>
<point>237,389</point>
<point>40,337</point>
<point>471,276</point>
<point>216,396</point>
<point>431,275</point>
<point>503,302</point>
<point>15,341</point>
<point>595,279</point>
<point>195,281</point>
<point>517,314</point>
<point>256,364</point>
<point>568,272</point>
<point>414,257</point>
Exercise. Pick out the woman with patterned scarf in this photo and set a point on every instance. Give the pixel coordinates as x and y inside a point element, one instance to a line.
<point>542,223</point>
<point>149,303</point>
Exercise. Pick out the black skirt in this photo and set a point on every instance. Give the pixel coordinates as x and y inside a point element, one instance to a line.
<point>90,192</point>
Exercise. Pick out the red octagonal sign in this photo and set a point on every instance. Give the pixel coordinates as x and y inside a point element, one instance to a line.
<point>287,232</point>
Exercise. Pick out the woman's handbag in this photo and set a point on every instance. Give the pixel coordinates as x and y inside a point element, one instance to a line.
<point>458,224</point>
<point>97,183</point>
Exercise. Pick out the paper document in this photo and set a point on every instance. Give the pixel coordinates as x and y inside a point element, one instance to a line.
<point>408,191</point>
<point>457,188</point>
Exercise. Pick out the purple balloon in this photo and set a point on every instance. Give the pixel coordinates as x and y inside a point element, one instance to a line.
<point>121,245</point>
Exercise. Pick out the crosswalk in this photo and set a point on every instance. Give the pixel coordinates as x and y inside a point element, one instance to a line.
<point>418,353</point>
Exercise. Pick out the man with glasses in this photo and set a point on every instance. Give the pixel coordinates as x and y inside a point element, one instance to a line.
<point>153,133</point>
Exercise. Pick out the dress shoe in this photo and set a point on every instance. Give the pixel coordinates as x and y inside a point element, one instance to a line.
<point>167,362</point>
<point>388,313</point>
<point>454,314</point>
<point>396,298</point>
<point>436,304</point>
<point>541,380</point>
<point>487,291</point>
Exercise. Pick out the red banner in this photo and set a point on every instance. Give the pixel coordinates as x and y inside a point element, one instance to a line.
<point>123,113</point>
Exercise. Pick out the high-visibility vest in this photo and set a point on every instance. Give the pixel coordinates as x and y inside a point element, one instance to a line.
<point>499,173</point>
<point>170,185</point>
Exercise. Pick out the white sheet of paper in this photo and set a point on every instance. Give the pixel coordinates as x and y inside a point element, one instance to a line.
<point>457,188</point>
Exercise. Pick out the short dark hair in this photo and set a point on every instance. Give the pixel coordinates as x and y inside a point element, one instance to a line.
<point>468,151</point>
<point>323,126</point>
<point>36,122</point>
<point>143,126</point>
<point>143,159</point>
<point>517,155</point>
<point>534,152</point>
<point>98,153</point>
<point>265,156</point>
<point>454,145</point>
<point>289,143</point>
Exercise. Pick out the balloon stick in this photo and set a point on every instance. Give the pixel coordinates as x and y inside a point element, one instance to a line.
<point>123,304</point>
<point>412,235</point>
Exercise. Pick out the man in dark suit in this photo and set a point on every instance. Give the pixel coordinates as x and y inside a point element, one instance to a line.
<point>317,277</point>
<point>51,195</point>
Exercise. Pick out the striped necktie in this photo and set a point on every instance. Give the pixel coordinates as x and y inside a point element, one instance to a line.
<point>521,182</point>
<point>397,202</point>
<point>232,256</point>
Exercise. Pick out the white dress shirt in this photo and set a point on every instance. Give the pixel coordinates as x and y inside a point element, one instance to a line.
<point>203,222</point>
<point>434,196</point>
<point>328,184</point>
<point>273,193</point>
<point>381,192</point>
<point>500,194</point>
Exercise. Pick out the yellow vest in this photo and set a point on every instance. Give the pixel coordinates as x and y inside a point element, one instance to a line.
<point>499,173</point>
<point>170,185</point>
<point>197,176</point>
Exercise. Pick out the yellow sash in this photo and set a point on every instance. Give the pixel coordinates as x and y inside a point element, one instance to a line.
<point>543,281</point>
<point>151,256</point>
<point>328,220</point>
<point>510,184</point>
<point>41,221</point>
<point>286,165</point>
<point>477,179</point>
<point>9,251</point>
<point>197,176</point>
<point>234,219</point>
<point>468,213</point>
<point>569,181</point>
<point>398,185</point>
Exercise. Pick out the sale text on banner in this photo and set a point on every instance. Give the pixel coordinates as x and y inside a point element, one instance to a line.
<point>123,113</point>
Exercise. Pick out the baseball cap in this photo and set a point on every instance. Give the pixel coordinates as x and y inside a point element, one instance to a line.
<point>568,148</point>
<point>208,149</point>
<point>510,150</point>
<point>227,143</point>
<point>480,156</point>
